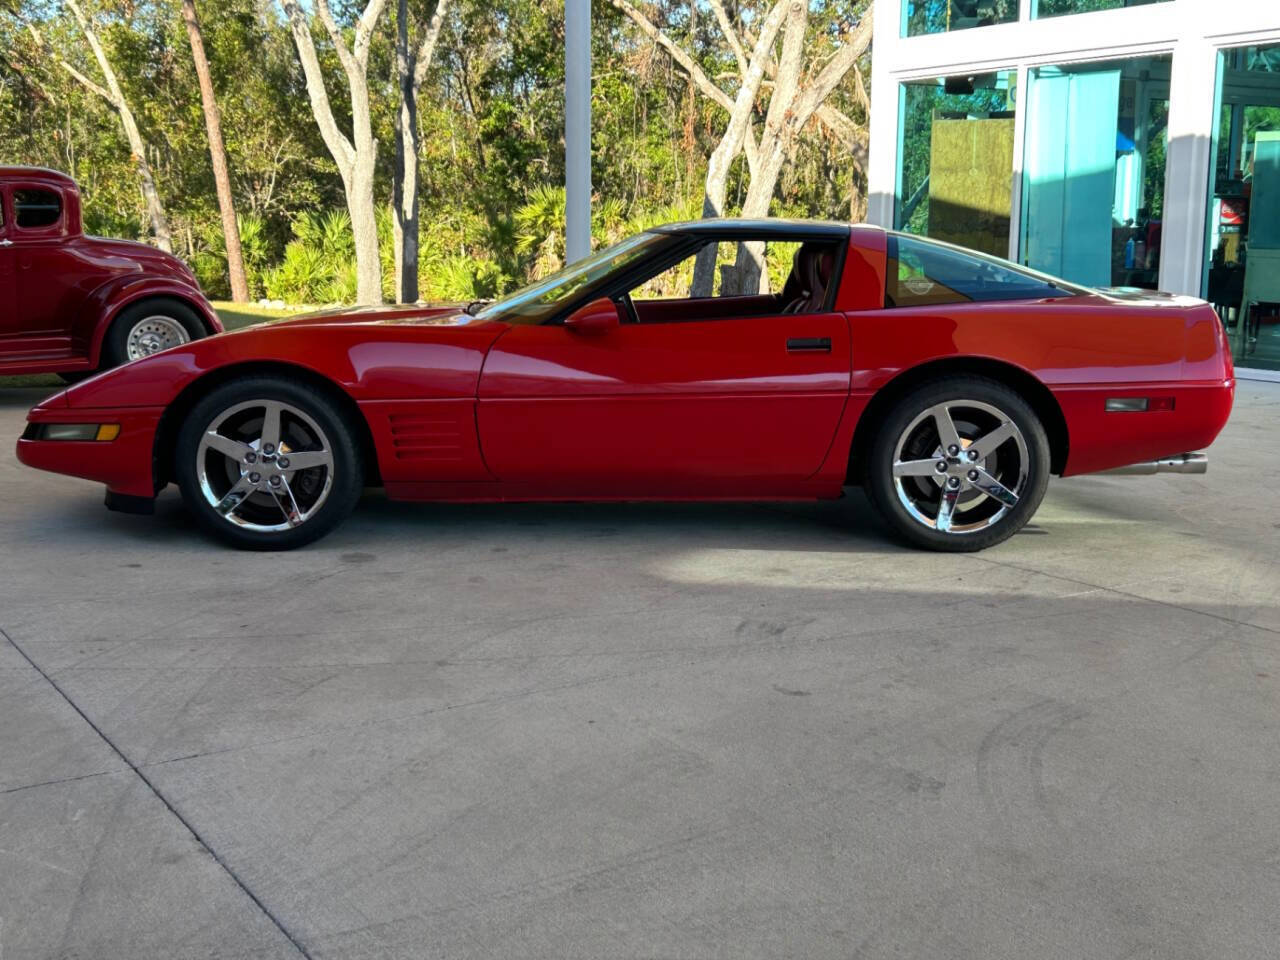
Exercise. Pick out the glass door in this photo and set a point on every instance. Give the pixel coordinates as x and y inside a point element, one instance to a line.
<point>1242,275</point>
<point>1094,171</point>
<point>1069,166</point>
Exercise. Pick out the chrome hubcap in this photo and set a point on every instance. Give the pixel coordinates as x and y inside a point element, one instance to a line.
<point>960,466</point>
<point>153,334</point>
<point>264,465</point>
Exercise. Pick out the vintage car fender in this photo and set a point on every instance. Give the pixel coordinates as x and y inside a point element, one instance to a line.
<point>105,303</point>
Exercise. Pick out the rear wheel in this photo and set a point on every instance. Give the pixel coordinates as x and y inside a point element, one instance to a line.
<point>959,465</point>
<point>268,463</point>
<point>142,329</point>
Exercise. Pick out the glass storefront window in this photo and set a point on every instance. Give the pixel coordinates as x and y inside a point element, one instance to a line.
<point>1242,274</point>
<point>941,16</point>
<point>1094,171</point>
<point>955,160</point>
<point>1056,8</point>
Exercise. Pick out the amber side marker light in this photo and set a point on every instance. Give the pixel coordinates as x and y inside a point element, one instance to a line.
<point>78,431</point>
<point>1138,404</point>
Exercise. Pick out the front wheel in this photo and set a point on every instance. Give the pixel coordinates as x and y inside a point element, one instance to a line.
<point>959,464</point>
<point>148,327</point>
<point>268,463</point>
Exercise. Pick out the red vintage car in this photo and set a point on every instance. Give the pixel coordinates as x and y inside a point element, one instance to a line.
<point>949,384</point>
<point>73,304</point>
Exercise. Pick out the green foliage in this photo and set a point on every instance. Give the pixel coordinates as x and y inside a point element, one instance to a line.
<point>491,117</point>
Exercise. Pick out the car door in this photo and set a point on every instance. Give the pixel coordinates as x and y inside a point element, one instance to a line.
<point>45,270</point>
<point>708,400</point>
<point>8,321</point>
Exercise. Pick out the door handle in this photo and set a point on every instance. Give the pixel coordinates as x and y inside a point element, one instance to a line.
<point>6,243</point>
<point>808,344</point>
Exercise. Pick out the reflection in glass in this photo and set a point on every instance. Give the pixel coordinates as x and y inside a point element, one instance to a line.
<point>1242,278</point>
<point>941,16</point>
<point>1056,8</point>
<point>955,157</point>
<point>1094,170</point>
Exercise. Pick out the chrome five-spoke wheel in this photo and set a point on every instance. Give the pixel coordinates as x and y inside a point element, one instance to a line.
<point>958,464</point>
<point>264,465</point>
<point>269,463</point>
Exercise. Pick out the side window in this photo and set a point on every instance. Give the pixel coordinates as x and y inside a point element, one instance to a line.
<point>34,208</point>
<point>798,280</point>
<point>922,274</point>
<point>676,282</point>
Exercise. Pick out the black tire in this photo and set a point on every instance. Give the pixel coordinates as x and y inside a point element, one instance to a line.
<point>908,425</point>
<point>115,348</point>
<point>205,475</point>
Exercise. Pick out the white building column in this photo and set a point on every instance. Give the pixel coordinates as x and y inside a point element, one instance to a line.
<point>577,128</point>
<point>1189,163</point>
<point>882,164</point>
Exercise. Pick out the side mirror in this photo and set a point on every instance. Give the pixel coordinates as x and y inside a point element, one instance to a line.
<point>595,319</point>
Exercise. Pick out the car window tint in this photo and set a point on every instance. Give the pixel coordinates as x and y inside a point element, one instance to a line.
<point>921,273</point>
<point>36,208</point>
<point>676,282</point>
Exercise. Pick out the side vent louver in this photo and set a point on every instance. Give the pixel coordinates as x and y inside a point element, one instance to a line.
<point>417,436</point>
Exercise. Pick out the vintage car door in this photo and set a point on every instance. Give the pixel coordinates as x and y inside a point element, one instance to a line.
<point>8,321</point>
<point>728,403</point>
<point>45,269</point>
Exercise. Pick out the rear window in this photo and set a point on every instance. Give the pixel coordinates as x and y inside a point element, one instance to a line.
<point>33,208</point>
<point>922,273</point>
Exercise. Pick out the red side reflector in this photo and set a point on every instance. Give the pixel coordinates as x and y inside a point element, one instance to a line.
<point>1160,403</point>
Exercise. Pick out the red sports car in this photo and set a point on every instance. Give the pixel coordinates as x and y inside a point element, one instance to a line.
<point>949,384</point>
<point>72,304</point>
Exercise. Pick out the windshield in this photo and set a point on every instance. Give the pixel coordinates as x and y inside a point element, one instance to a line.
<point>542,299</point>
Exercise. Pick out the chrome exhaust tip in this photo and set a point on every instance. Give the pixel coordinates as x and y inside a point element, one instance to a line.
<point>1181,463</point>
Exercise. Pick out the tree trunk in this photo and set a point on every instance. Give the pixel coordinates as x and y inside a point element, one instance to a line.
<point>218,155</point>
<point>364,230</point>
<point>404,199</point>
<point>355,157</point>
<point>749,275</point>
<point>735,134</point>
<point>411,70</point>
<point>749,271</point>
<point>115,96</point>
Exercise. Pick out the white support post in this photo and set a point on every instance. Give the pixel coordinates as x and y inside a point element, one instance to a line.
<point>577,128</point>
<point>1192,90</point>
<point>882,165</point>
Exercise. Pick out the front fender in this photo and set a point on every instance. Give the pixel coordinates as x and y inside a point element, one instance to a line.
<point>105,303</point>
<point>370,362</point>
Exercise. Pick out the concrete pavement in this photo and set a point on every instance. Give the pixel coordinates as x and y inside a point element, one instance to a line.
<point>647,731</point>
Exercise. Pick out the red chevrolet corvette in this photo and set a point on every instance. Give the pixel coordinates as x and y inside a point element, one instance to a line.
<point>949,384</point>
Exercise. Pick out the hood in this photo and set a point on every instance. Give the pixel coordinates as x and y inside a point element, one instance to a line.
<point>416,314</point>
<point>145,257</point>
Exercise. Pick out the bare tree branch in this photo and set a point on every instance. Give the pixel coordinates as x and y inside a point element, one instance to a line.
<point>427,48</point>
<point>686,62</point>
<point>345,59</point>
<point>854,44</point>
<point>115,96</point>
<point>364,30</point>
<point>88,84</point>
<point>333,137</point>
<point>731,35</point>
